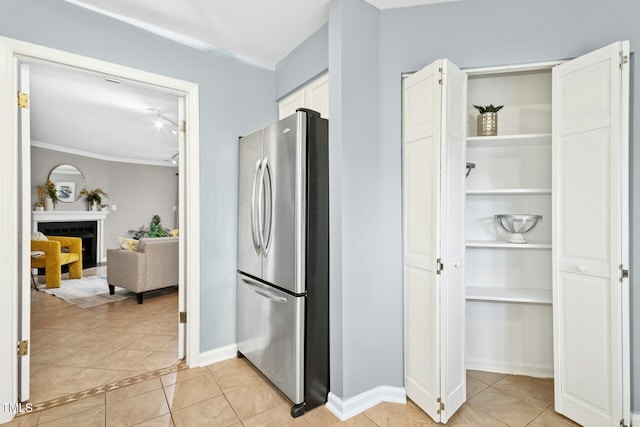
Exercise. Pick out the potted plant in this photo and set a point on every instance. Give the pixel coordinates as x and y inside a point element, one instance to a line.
<point>94,197</point>
<point>48,196</point>
<point>488,119</point>
<point>155,229</point>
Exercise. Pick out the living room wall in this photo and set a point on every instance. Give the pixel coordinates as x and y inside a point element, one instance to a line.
<point>138,191</point>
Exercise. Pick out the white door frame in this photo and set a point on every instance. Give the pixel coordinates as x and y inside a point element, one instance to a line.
<point>13,219</point>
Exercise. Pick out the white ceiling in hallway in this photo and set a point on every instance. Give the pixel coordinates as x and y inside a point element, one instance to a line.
<point>257,31</point>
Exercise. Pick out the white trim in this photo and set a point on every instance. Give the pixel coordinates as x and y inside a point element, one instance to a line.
<point>189,206</point>
<point>217,355</point>
<point>9,259</point>
<point>395,4</point>
<point>539,371</point>
<point>178,38</point>
<point>635,419</point>
<point>345,409</point>
<point>11,52</point>
<point>71,216</point>
<point>68,150</point>
<point>529,66</point>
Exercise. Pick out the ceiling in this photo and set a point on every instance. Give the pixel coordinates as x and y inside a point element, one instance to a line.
<point>80,112</point>
<point>83,113</point>
<point>237,27</point>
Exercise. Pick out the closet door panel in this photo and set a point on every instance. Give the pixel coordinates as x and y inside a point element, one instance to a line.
<point>421,182</point>
<point>590,192</point>
<point>452,203</point>
<point>585,202</point>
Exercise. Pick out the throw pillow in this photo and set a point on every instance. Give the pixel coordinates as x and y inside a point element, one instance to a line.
<point>128,244</point>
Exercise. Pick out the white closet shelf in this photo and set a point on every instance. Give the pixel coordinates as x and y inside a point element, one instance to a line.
<point>532,296</point>
<point>506,140</point>
<point>506,245</point>
<point>510,191</point>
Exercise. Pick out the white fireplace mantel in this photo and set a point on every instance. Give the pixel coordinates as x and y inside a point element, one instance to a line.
<point>72,216</point>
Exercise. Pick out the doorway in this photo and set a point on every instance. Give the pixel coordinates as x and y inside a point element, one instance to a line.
<point>94,131</point>
<point>18,171</point>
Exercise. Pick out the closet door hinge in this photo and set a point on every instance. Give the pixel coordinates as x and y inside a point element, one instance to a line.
<point>439,266</point>
<point>183,126</point>
<point>23,348</point>
<point>624,59</point>
<point>622,424</point>
<point>624,273</point>
<point>183,317</point>
<point>23,100</point>
<point>442,76</point>
<point>441,405</point>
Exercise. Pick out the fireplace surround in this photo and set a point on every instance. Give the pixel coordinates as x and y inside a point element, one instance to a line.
<point>89,225</point>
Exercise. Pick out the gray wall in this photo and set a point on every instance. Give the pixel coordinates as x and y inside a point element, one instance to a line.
<point>366,289</point>
<point>235,99</point>
<point>303,63</point>
<point>139,191</point>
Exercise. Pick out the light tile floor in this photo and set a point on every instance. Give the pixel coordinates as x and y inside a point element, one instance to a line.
<point>229,393</point>
<point>233,393</point>
<point>74,349</point>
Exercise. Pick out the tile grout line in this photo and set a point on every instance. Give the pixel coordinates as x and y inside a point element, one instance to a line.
<point>181,365</point>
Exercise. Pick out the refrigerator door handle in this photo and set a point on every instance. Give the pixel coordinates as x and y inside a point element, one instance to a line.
<point>270,209</point>
<point>261,205</point>
<point>259,289</point>
<point>270,296</point>
<point>254,224</point>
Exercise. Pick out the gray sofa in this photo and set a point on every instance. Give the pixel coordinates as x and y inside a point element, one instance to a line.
<point>153,266</point>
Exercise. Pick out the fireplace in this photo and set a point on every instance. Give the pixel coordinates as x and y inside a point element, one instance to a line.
<point>61,218</point>
<point>86,230</point>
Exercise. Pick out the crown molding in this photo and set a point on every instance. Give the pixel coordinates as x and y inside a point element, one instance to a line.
<point>39,144</point>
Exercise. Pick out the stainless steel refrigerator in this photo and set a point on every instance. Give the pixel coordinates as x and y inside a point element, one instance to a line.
<point>283,256</point>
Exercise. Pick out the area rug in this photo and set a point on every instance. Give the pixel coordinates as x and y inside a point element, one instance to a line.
<point>87,292</point>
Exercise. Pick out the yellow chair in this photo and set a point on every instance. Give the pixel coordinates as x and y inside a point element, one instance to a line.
<point>54,258</point>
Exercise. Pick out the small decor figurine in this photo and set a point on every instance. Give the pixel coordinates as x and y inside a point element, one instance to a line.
<point>48,196</point>
<point>94,197</point>
<point>488,119</point>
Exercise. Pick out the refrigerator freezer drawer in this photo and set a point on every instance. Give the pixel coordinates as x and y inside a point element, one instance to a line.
<point>270,333</point>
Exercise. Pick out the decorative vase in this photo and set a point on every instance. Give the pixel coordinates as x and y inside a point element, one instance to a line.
<point>93,206</point>
<point>39,208</point>
<point>488,124</point>
<point>48,204</point>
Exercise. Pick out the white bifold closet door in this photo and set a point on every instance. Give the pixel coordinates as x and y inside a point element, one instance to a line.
<point>434,171</point>
<point>591,237</point>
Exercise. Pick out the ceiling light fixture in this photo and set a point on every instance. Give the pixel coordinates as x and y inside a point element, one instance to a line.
<point>162,121</point>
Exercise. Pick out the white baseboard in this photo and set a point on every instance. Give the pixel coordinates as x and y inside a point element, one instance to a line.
<point>345,409</point>
<point>635,419</point>
<point>538,371</point>
<point>217,355</point>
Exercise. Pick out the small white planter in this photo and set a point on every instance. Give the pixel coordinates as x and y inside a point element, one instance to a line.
<point>48,204</point>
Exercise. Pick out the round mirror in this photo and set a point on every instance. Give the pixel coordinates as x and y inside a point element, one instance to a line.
<point>68,181</point>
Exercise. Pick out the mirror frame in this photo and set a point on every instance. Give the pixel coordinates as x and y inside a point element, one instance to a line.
<point>68,190</point>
